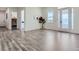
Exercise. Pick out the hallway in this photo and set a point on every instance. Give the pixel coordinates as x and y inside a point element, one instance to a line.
<point>38,40</point>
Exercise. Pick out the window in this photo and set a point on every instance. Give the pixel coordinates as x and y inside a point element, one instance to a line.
<point>65,18</point>
<point>50,15</point>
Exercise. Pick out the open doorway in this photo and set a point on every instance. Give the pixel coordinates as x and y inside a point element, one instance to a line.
<point>14,21</point>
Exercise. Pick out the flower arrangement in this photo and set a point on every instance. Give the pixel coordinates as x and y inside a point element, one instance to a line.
<point>42,21</point>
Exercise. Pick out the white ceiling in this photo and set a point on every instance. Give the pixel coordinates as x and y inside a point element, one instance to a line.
<point>61,7</point>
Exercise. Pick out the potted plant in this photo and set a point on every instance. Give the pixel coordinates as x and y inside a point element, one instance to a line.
<point>42,21</point>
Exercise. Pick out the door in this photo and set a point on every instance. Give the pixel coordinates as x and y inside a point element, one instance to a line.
<point>22,20</point>
<point>2,18</point>
<point>65,19</point>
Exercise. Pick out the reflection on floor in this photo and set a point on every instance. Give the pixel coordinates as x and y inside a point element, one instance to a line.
<point>38,40</point>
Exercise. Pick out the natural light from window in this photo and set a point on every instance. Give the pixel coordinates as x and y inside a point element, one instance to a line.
<point>50,16</point>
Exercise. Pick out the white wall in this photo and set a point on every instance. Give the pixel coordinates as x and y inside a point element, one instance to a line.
<point>54,23</point>
<point>30,18</point>
<point>32,12</point>
<point>8,20</point>
<point>2,16</point>
<point>17,14</point>
<point>19,17</point>
<point>76,20</point>
<point>10,15</point>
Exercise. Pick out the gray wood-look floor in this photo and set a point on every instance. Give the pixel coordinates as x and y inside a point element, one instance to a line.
<point>38,40</point>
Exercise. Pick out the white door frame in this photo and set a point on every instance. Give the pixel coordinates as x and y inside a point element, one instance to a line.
<point>22,19</point>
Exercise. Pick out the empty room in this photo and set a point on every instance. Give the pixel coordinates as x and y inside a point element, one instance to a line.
<point>39,28</point>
